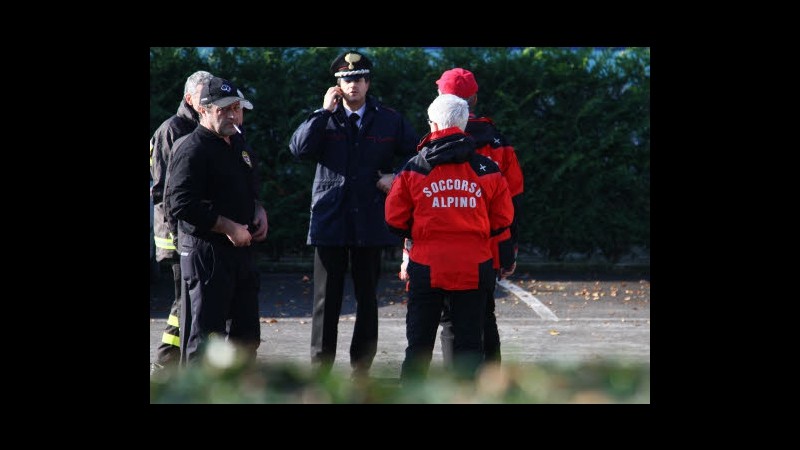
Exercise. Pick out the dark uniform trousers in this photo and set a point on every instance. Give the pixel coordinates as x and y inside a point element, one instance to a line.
<point>330,267</point>
<point>467,311</point>
<point>491,335</point>
<point>221,283</point>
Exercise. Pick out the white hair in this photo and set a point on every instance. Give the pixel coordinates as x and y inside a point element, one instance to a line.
<point>449,110</point>
<point>199,77</point>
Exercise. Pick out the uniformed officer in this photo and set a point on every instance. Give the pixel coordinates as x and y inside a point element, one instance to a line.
<point>356,143</point>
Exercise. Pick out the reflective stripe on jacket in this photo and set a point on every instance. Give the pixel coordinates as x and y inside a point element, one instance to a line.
<point>182,123</point>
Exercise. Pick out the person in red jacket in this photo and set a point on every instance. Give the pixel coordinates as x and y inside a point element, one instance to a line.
<point>450,201</point>
<point>491,143</point>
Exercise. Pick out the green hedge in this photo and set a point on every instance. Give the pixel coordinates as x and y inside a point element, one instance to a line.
<point>608,383</point>
<point>222,376</point>
<point>578,118</point>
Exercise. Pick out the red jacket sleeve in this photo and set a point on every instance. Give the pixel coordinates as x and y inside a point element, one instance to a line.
<point>501,209</point>
<point>512,171</point>
<point>399,206</point>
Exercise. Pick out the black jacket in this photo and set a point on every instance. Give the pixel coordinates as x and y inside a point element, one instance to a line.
<point>347,208</point>
<point>183,122</point>
<point>208,177</point>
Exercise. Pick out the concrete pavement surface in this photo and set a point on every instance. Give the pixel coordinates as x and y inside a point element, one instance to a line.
<point>541,319</point>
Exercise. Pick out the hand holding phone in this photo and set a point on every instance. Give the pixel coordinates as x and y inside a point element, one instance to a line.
<point>332,98</point>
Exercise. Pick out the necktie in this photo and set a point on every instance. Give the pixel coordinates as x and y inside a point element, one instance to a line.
<point>354,123</point>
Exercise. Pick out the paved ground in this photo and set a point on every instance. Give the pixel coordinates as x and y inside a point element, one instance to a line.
<point>541,318</point>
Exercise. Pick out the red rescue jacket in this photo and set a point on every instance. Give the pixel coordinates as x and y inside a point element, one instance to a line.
<point>491,143</point>
<point>450,201</point>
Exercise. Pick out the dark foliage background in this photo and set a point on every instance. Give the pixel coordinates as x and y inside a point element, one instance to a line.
<point>579,119</point>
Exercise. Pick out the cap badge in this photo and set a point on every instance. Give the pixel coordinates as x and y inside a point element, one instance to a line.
<point>352,58</point>
<point>246,158</point>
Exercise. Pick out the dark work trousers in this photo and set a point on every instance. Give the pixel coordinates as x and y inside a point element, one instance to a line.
<point>169,352</point>
<point>330,267</point>
<point>467,312</point>
<point>222,284</point>
<point>491,336</point>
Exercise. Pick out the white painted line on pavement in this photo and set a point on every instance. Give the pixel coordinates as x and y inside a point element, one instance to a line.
<point>543,311</point>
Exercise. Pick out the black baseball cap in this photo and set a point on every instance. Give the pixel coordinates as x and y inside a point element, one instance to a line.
<point>220,92</point>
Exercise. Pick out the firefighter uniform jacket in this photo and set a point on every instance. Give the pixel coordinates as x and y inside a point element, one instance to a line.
<point>208,177</point>
<point>180,124</point>
<point>489,142</point>
<point>450,200</point>
<point>347,208</point>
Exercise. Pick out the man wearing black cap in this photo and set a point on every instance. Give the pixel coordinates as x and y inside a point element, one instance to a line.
<point>211,192</point>
<point>183,122</point>
<point>357,143</point>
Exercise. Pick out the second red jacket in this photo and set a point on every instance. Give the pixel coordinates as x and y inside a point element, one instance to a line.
<point>450,201</point>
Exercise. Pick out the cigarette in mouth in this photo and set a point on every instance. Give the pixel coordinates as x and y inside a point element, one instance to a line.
<point>237,129</point>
